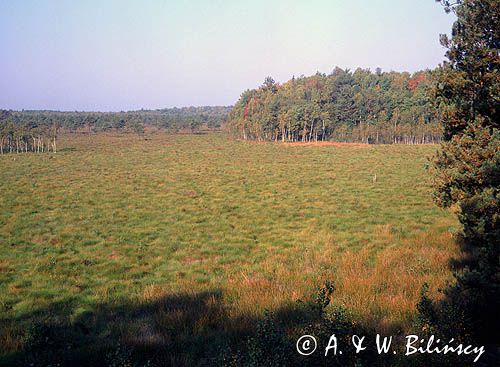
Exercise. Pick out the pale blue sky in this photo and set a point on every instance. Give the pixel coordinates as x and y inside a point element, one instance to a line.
<point>122,55</point>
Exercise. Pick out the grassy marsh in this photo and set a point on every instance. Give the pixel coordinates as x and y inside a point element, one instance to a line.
<point>122,219</point>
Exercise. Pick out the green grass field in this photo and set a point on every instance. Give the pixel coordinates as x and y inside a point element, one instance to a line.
<point>211,232</point>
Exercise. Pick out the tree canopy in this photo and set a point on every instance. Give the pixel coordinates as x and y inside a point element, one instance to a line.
<point>380,107</point>
<point>467,92</point>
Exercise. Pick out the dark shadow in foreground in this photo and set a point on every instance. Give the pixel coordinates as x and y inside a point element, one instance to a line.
<point>191,329</point>
<point>195,329</point>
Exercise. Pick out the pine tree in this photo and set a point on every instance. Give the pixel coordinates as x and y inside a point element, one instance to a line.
<point>468,166</point>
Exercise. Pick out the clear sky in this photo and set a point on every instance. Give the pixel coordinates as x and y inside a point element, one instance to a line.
<point>106,55</point>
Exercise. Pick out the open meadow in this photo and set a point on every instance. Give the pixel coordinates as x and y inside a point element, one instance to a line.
<point>174,240</point>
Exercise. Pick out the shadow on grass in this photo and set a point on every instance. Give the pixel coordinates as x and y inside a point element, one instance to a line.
<point>468,310</point>
<point>191,329</point>
<point>175,330</point>
<point>195,329</point>
<point>67,149</point>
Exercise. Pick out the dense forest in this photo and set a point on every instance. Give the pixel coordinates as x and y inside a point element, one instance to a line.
<point>360,106</point>
<point>36,131</point>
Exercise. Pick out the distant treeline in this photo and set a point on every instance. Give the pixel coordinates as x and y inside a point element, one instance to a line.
<point>36,131</point>
<point>21,136</point>
<point>359,106</point>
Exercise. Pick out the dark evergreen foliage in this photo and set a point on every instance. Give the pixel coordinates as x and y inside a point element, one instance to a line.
<point>468,172</point>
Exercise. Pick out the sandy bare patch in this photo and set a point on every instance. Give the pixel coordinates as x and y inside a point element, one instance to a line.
<point>326,144</point>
